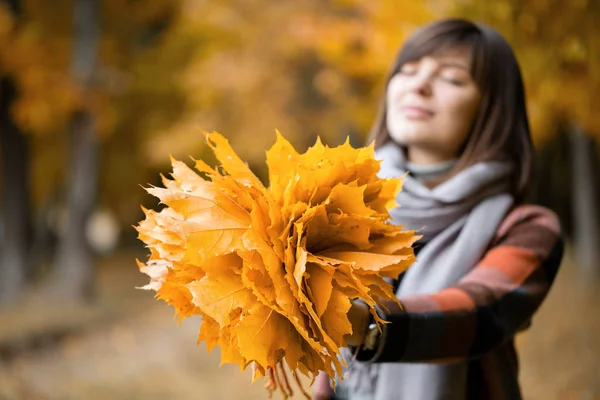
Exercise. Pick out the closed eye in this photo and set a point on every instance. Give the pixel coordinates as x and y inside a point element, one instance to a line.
<point>408,69</point>
<point>453,81</point>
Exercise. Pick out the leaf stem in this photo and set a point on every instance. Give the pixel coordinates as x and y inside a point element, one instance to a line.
<point>271,384</point>
<point>299,382</point>
<point>285,380</point>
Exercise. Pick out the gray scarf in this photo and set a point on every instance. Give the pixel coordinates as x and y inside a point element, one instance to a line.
<point>458,219</point>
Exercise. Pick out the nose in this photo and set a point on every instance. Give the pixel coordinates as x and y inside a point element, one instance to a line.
<point>421,83</point>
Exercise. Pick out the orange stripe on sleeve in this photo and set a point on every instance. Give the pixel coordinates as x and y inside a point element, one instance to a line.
<point>515,262</point>
<point>453,299</point>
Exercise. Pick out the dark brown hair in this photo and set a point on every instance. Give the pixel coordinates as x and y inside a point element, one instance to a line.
<point>500,130</point>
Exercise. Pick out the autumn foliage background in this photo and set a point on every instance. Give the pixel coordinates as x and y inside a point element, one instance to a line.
<point>95,95</point>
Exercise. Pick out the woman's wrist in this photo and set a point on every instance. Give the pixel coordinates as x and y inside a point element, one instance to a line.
<point>360,319</point>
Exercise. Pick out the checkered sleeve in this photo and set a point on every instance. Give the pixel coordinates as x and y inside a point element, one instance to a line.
<point>488,305</point>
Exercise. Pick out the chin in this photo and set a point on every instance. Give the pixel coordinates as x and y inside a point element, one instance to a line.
<point>407,137</point>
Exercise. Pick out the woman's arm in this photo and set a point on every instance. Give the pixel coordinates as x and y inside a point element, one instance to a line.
<point>488,306</point>
<point>321,388</point>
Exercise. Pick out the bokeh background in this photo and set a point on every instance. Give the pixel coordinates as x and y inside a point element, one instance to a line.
<point>96,94</point>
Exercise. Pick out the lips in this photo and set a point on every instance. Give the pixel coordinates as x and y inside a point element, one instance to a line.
<point>416,112</point>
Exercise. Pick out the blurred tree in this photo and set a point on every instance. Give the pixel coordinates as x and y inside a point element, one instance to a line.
<point>585,204</point>
<point>14,218</point>
<point>35,57</point>
<point>74,266</point>
<point>106,81</point>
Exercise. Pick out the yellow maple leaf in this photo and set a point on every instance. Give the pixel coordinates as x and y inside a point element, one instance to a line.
<point>273,270</point>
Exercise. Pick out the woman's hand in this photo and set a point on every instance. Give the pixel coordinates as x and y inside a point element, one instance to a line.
<point>359,316</point>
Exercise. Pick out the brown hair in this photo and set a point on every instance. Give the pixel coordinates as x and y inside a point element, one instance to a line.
<point>500,130</point>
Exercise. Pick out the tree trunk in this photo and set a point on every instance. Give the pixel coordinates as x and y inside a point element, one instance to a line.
<point>15,218</point>
<point>585,203</point>
<point>16,222</point>
<point>75,266</point>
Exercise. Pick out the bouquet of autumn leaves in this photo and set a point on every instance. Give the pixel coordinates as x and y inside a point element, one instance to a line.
<point>272,270</point>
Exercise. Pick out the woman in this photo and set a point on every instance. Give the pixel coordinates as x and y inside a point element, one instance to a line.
<point>454,117</point>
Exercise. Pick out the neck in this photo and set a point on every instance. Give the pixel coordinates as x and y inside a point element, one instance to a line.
<point>430,172</point>
<point>427,156</point>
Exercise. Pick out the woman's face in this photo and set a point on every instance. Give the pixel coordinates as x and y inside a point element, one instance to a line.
<point>431,105</point>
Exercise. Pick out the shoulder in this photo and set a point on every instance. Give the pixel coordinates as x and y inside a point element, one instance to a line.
<point>530,215</point>
<point>531,226</point>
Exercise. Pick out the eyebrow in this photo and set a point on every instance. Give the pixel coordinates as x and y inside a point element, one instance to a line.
<point>455,64</point>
